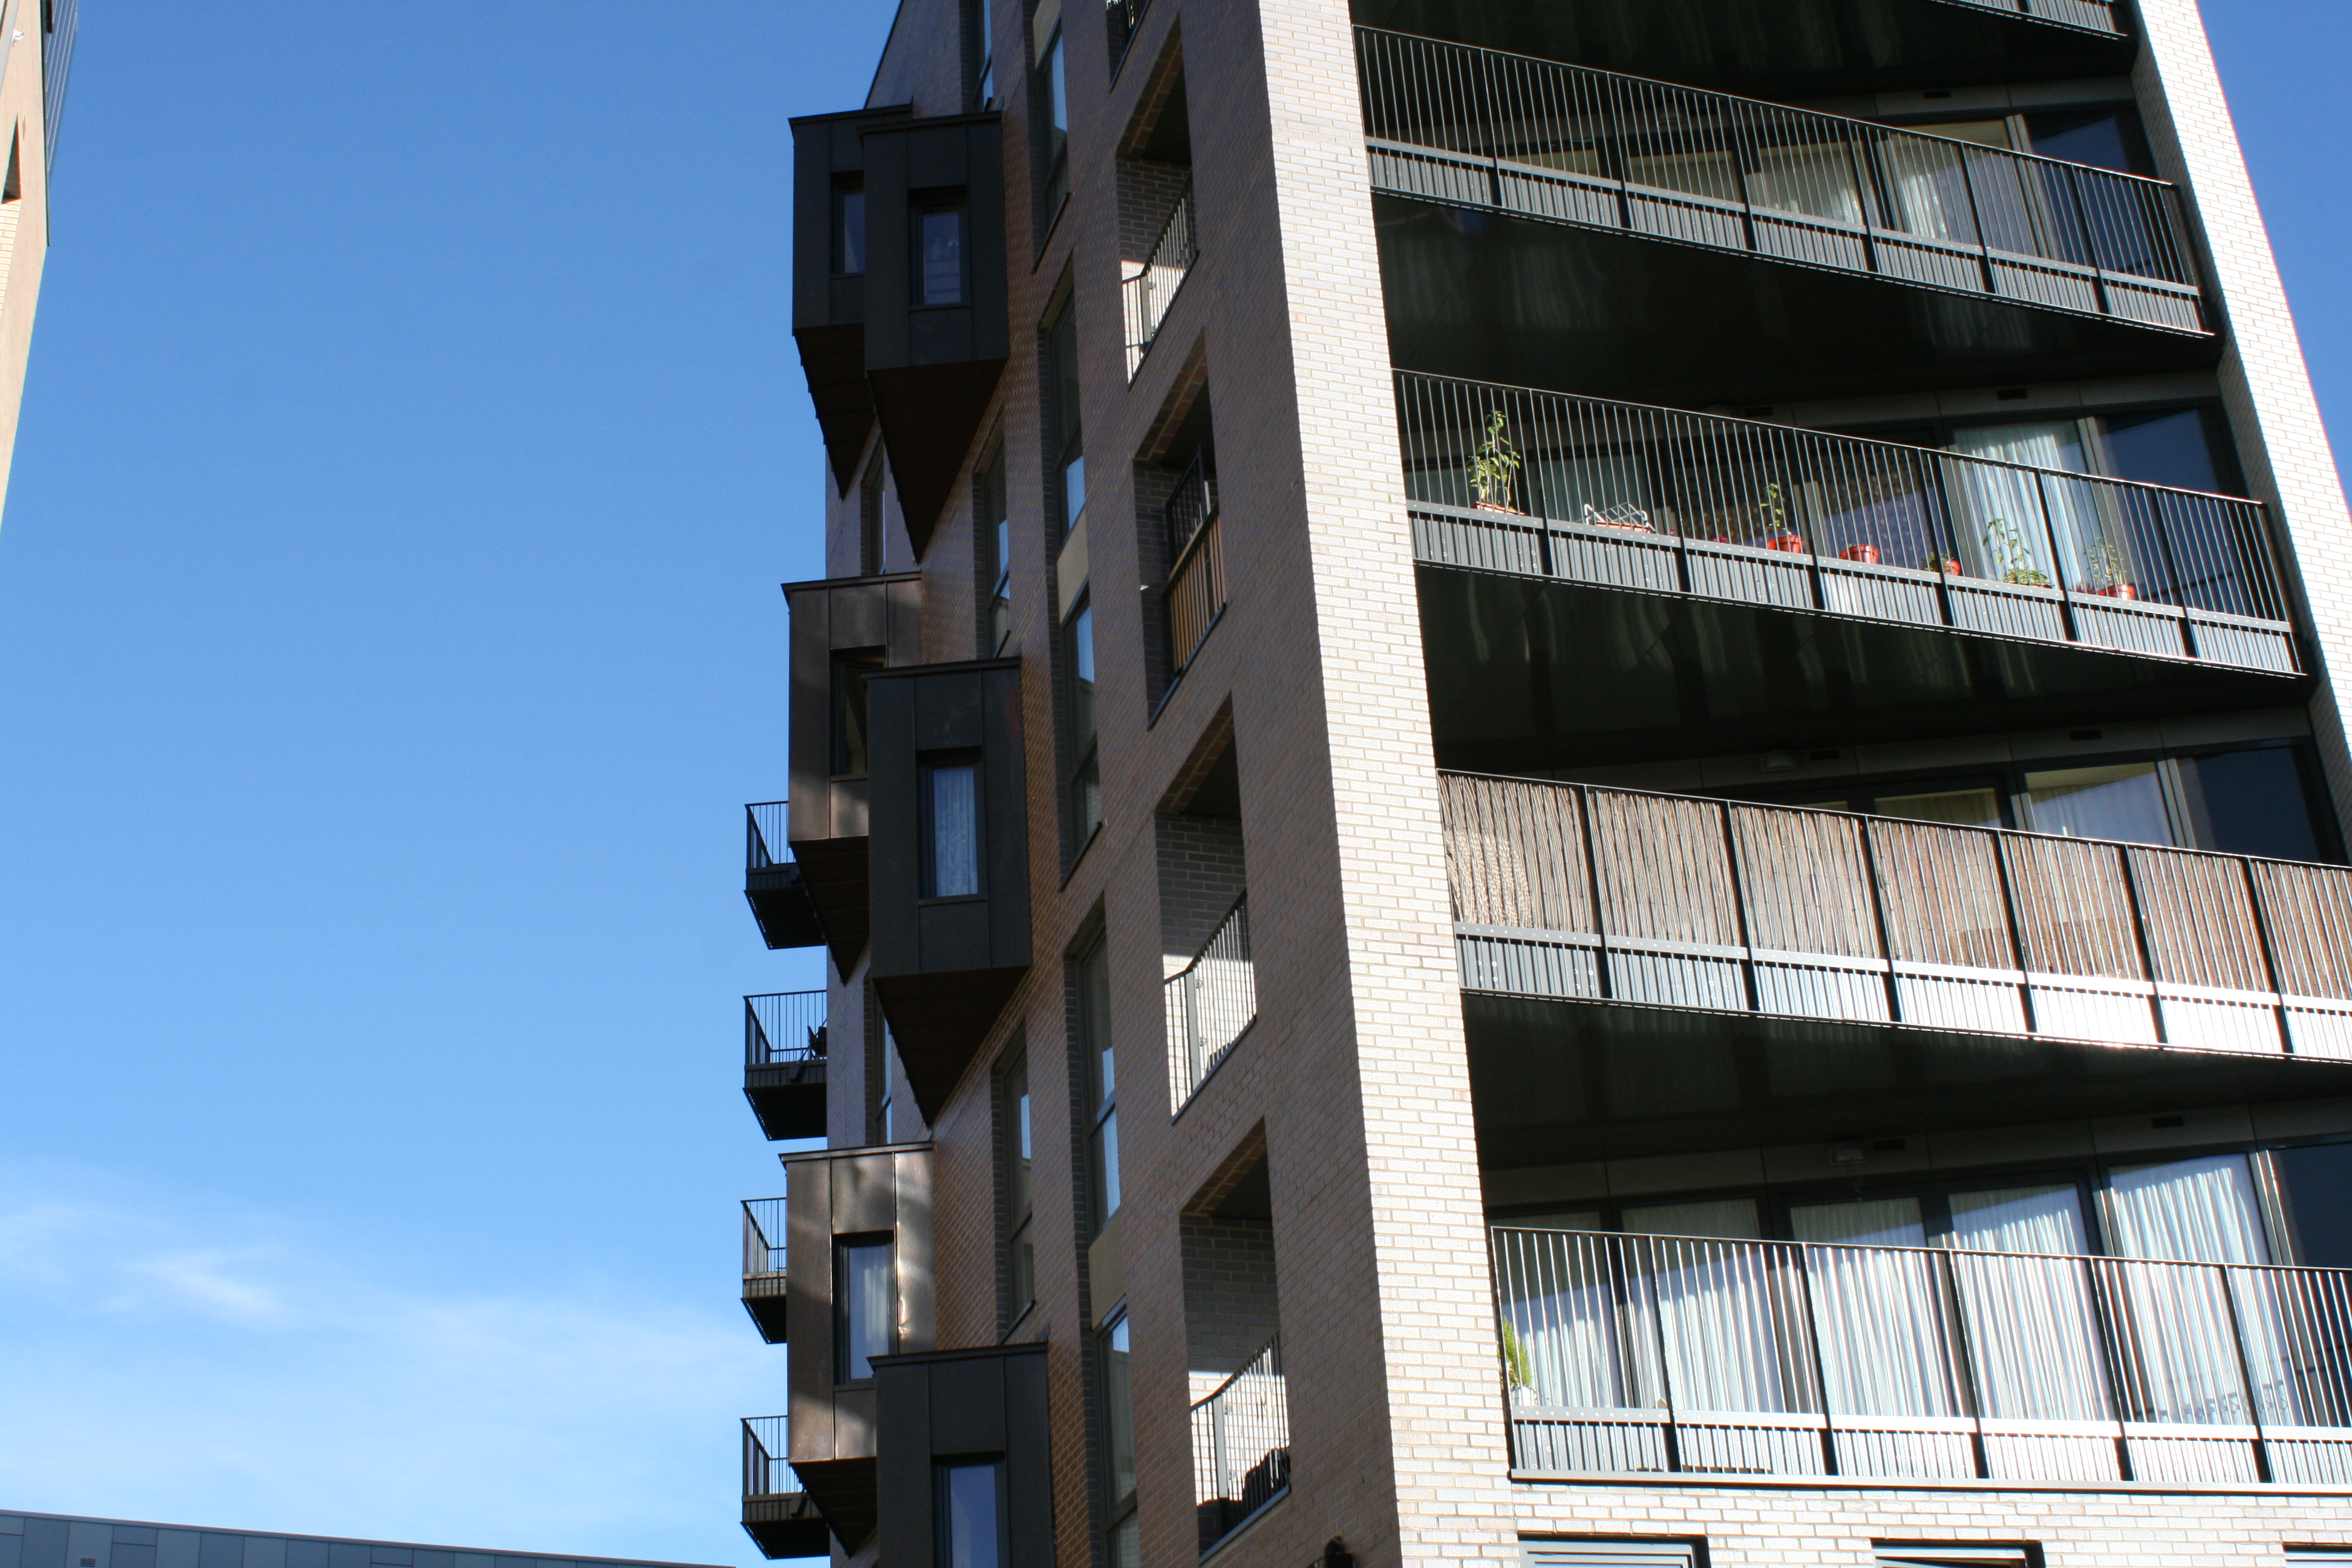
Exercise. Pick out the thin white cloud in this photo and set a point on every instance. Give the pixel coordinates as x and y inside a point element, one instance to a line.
<point>160,1358</point>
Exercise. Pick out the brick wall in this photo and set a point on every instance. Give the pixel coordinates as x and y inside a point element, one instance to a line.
<point>1230,1310</point>
<point>1201,872</point>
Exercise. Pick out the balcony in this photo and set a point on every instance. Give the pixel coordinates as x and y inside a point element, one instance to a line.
<point>1649,973</point>
<point>1622,495</point>
<point>1146,295</point>
<point>1196,555</point>
<point>1241,1447</point>
<point>777,1515</point>
<point>1568,144</point>
<point>763,1267</point>
<point>1651,1354</point>
<point>1211,1003</point>
<point>783,1062</point>
<point>2084,16</point>
<point>771,883</point>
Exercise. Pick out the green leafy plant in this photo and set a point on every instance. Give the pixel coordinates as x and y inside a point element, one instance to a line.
<point>1494,464</point>
<point>1517,1364</point>
<point>2005,547</point>
<point>1775,516</point>
<point>2105,563</point>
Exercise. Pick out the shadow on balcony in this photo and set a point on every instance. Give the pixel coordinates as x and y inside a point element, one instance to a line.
<point>763,1267</point>
<point>783,1062</point>
<point>1652,974</point>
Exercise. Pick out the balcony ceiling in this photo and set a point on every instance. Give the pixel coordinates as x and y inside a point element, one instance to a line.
<point>1771,48</point>
<point>1491,298</point>
<point>1526,677</point>
<point>1553,1082</point>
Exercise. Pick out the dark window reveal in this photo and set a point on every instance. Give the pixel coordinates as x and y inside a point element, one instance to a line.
<point>939,256</point>
<point>2177,446</point>
<point>849,229</point>
<point>849,670</point>
<point>2249,803</point>
<point>2318,1187</point>
<point>2101,138</point>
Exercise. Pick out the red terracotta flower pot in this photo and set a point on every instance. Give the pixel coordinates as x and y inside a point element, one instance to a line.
<point>1865,553</point>
<point>1792,543</point>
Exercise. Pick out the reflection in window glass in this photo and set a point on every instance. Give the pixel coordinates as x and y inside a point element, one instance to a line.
<point>1085,792</point>
<point>1557,1219</point>
<point>2121,800</point>
<point>1118,1411</point>
<point>2199,1211</point>
<point>1020,1164</point>
<point>1962,807</point>
<point>940,261</point>
<point>2249,802</point>
<point>2020,1219</point>
<point>2168,448</point>
<point>969,1526</point>
<point>1125,1545</point>
<point>862,1317</point>
<point>1869,1222</point>
<point>952,826</point>
<point>1731,1218</point>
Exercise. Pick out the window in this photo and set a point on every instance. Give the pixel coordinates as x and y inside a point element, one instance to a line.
<point>1065,437</point>
<point>2198,1211</point>
<point>850,667</point>
<point>1117,1429</point>
<point>1053,97</point>
<point>1608,1554</point>
<point>1019,1164</point>
<point>993,532</point>
<point>864,1311</point>
<point>2120,800</point>
<point>951,829</point>
<point>1084,785</point>
<point>1102,1067</point>
<point>970,1513</point>
<point>849,226</point>
<point>1927,1555</point>
<point>869,519</point>
<point>980,57</point>
<point>938,271</point>
<point>881,1052</point>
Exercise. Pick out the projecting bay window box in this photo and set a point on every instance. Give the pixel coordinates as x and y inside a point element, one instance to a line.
<point>965,1458</point>
<point>860,1287</point>
<point>843,628</point>
<point>829,264</point>
<point>949,860</point>
<point>937,331</point>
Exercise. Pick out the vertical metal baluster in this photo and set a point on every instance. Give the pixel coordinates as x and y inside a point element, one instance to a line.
<point>2057,563</point>
<point>2106,1320</point>
<point>2090,240</point>
<point>1593,878</point>
<point>1813,1349</point>
<point>1971,1389</point>
<point>2262,1471</point>
<point>1878,917</point>
<point>2139,935</point>
<point>2261,910</point>
<point>2016,929</point>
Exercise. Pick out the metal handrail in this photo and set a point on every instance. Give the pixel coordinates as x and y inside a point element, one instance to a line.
<point>763,1237</point>
<point>1147,296</point>
<point>1211,1003</point>
<point>1603,149</point>
<point>1196,555</point>
<point>764,825</point>
<point>1240,1445</point>
<point>1581,891</point>
<point>765,1444</point>
<point>1810,494</point>
<point>783,1026</point>
<point>1636,1352</point>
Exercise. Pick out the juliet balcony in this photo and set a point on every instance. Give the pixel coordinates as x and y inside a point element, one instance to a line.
<point>1536,216</point>
<point>764,1279</point>
<point>1649,1355</point>
<point>1651,974</point>
<point>771,880</point>
<point>778,1515</point>
<point>783,1062</point>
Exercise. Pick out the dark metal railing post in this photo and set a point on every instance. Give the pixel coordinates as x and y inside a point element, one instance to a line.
<point>1813,1351</point>
<point>2262,1471</point>
<point>1878,917</point>
<point>2139,936</point>
<point>1593,880</point>
<point>2016,932</point>
<point>1739,910</point>
<point>2108,1321</point>
<point>2091,249</point>
<point>1948,1274</point>
<point>2259,907</point>
<point>2057,561</point>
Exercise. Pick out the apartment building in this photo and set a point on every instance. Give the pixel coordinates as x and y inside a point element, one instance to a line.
<point>75,1541</point>
<point>36,40</point>
<point>1573,779</point>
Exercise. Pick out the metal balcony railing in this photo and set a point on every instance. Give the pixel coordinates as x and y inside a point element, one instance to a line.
<point>1196,557</point>
<point>1148,292</point>
<point>1632,496</point>
<point>2084,16</point>
<point>763,825</point>
<point>1211,1003</point>
<point>764,1242</point>
<point>1121,18</point>
<point>783,1026</point>
<point>1673,1353</point>
<point>1241,1447</point>
<point>765,1472</point>
<point>1565,143</point>
<point>1566,891</point>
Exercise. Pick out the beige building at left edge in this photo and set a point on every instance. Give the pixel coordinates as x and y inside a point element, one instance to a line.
<point>37,40</point>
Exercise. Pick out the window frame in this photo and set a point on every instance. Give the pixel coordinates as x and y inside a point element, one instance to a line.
<point>923,205</point>
<point>928,765</point>
<point>940,1483</point>
<point>886,1242</point>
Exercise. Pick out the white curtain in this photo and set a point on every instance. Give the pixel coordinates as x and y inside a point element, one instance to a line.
<point>2045,1219</point>
<point>2180,1351</point>
<point>2200,1211</point>
<point>2002,509</point>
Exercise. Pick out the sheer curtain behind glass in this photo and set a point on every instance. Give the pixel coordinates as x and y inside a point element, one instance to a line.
<point>954,825</point>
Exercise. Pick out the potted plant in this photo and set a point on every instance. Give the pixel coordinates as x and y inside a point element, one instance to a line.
<point>2107,565</point>
<point>1865,553</point>
<point>1492,469</point>
<point>1778,534</point>
<point>1519,1367</point>
<point>2005,548</point>
<point>1938,562</point>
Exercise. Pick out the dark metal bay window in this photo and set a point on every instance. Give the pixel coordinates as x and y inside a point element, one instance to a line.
<point>865,1309</point>
<point>951,827</point>
<point>938,268</point>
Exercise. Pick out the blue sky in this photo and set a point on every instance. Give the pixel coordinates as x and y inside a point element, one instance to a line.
<point>388,635</point>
